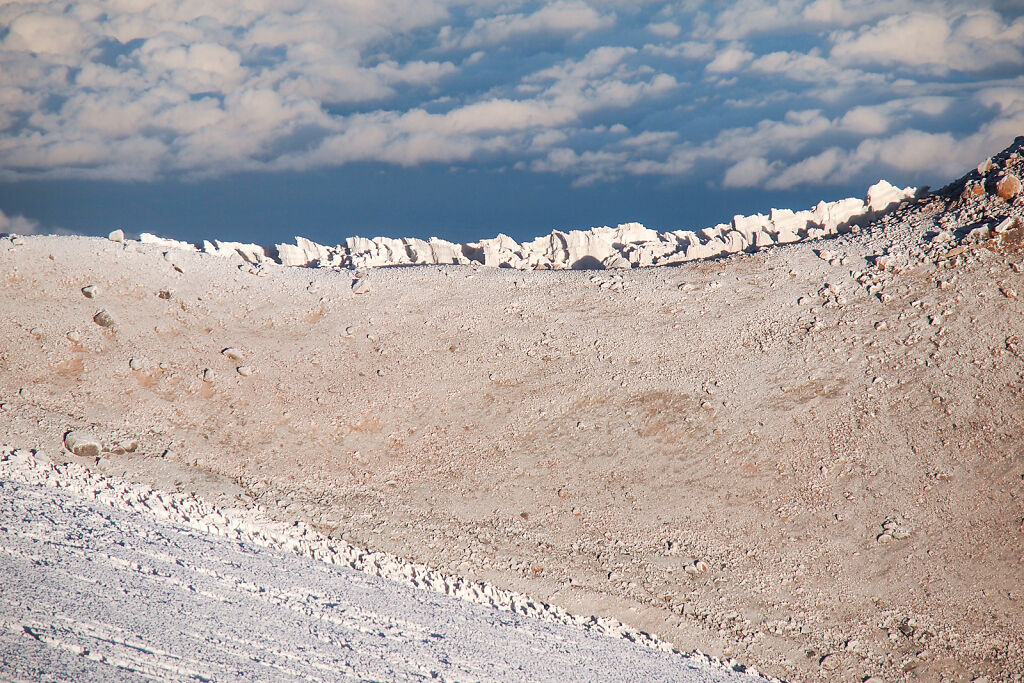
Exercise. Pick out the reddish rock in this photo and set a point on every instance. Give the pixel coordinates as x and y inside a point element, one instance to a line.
<point>972,189</point>
<point>1008,186</point>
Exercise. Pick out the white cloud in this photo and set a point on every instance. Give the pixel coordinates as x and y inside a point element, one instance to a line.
<point>749,172</point>
<point>730,59</point>
<point>817,169</point>
<point>56,36</point>
<point>564,17</point>
<point>872,120</point>
<point>557,98</point>
<point>649,139</point>
<point>664,29</point>
<point>687,49</point>
<point>18,225</point>
<point>866,120</point>
<point>831,80</point>
<point>745,18</point>
<point>137,89</point>
<point>962,41</point>
<point>199,67</point>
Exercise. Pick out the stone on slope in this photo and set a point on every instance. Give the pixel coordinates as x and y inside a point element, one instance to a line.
<point>82,444</point>
<point>1008,186</point>
<point>103,319</point>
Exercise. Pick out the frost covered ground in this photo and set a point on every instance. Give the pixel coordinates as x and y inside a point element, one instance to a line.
<point>104,581</point>
<point>804,456</point>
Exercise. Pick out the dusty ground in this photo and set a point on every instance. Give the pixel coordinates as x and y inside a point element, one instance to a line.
<point>809,463</point>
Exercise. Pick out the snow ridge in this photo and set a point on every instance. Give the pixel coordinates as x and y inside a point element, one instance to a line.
<point>629,245</point>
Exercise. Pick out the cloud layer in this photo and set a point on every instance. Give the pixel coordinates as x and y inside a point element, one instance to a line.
<point>145,90</point>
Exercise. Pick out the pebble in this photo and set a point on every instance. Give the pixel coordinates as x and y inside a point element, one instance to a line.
<point>135,364</point>
<point>90,291</point>
<point>244,370</point>
<point>698,567</point>
<point>884,538</point>
<point>1006,225</point>
<point>165,293</point>
<point>103,319</point>
<point>128,446</point>
<point>74,336</point>
<point>881,325</point>
<point>232,353</point>
<point>36,332</point>
<point>1009,292</point>
<point>894,530</point>
<point>829,662</point>
<point>208,375</point>
<point>82,444</point>
<point>116,236</point>
<point>361,286</point>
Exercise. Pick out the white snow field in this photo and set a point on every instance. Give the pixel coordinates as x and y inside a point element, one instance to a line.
<point>95,590</point>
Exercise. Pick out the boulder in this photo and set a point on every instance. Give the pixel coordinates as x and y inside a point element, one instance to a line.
<point>82,444</point>
<point>1008,186</point>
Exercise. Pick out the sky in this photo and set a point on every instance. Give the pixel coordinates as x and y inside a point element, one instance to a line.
<point>258,120</point>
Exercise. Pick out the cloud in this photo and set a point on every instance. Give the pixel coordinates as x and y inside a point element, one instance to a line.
<point>558,97</point>
<point>730,59</point>
<point>664,29</point>
<point>749,172</point>
<point>18,225</point>
<point>56,36</point>
<point>742,19</point>
<point>196,68</point>
<point>866,120</point>
<point>969,41</point>
<point>570,18</point>
<point>754,93</point>
<point>817,169</point>
<point>685,50</point>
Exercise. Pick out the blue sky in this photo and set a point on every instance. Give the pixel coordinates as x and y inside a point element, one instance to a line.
<point>261,119</point>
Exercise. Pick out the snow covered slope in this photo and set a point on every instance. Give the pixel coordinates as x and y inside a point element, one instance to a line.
<point>106,581</point>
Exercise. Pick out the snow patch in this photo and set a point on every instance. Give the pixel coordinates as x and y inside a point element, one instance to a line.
<point>255,527</point>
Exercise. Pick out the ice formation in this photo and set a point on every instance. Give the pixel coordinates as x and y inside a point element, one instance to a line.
<point>629,245</point>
